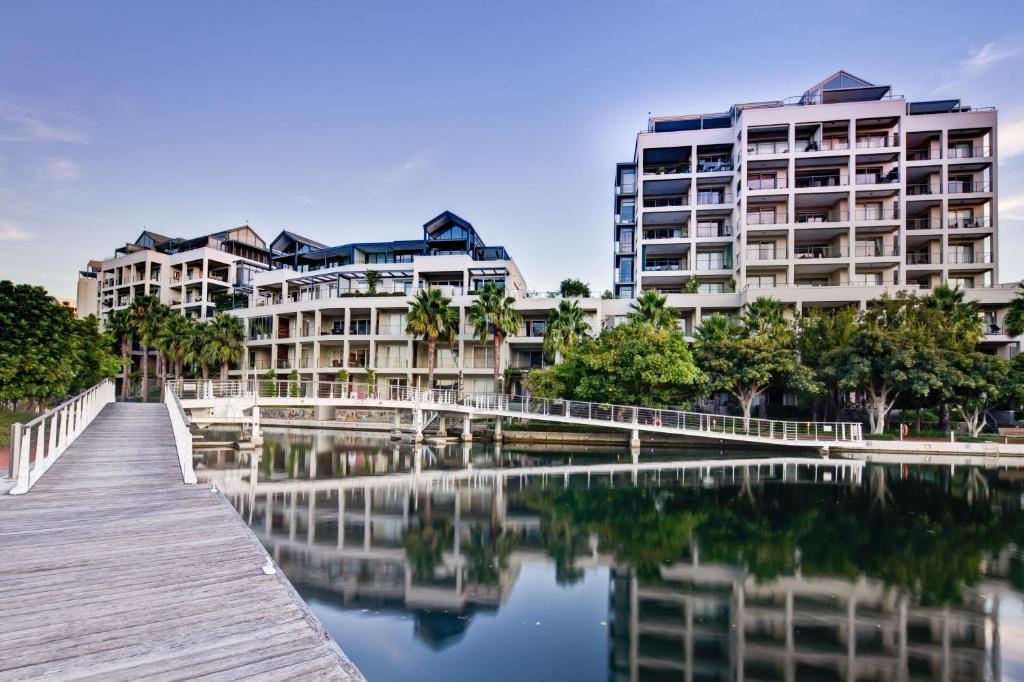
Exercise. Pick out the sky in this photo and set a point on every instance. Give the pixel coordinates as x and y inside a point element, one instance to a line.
<point>347,121</point>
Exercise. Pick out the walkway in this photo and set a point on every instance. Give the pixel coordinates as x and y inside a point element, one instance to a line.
<point>111,568</point>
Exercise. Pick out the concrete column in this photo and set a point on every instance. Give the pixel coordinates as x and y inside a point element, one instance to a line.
<point>442,426</point>
<point>417,425</point>
<point>497,430</point>
<point>467,433</point>
<point>204,287</point>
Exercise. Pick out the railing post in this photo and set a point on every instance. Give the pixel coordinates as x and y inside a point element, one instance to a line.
<point>13,467</point>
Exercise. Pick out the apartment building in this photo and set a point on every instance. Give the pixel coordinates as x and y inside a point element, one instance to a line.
<point>321,311</point>
<point>826,199</point>
<point>190,275</point>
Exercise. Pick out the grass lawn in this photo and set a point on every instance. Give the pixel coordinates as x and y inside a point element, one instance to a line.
<point>8,417</point>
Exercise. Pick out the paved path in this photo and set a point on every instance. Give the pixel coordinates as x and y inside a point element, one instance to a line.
<point>111,568</point>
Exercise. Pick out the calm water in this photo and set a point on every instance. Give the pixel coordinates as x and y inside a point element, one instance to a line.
<point>467,563</point>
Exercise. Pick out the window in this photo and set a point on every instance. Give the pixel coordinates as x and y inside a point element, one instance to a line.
<point>762,181</point>
<point>712,229</point>
<point>761,251</point>
<point>625,292</point>
<point>715,260</point>
<point>711,288</point>
<point>627,180</point>
<point>962,282</point>
<point>761,281</point>
<point>627,210</point>
<point>626,269</point>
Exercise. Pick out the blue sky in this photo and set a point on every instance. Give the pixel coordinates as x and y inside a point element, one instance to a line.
<point>350,122</point>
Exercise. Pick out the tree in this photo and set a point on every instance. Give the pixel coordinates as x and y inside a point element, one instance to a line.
<point>960,332</point>
<point>633,364</point>
<point>744,359</point>
<point>981,381</point>
<point>567,325</point>
<point>196,349</point>
<point>893,353</point>
<point>1014,319</point>
<point>372,280</point>
<point>148,316</point>
<point>649,308</point>
<point>225,341</point>
<point>45,354</point>
<point>431,317</point>
<point>574,287</point>
<point>173,339</point>
<point>494,315</point>
<point>121,325</point>
<point>822,336</point>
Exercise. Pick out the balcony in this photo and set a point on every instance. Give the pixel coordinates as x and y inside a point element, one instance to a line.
<point>756,254</point>
<point>713,198</point>
<point>714,165</point>
<point>924,223</point>
<point>969,223</point>
<point>713,261</point>
<point>448,290</point>
<point>623,247</point>
<point>924,154</point>
<point>626,218</point>
<point>665,233</point>
<point>723,230</point>
<point>968,151</point>
<point>969,257</point>
<point>818,251</point>
<point>877,141</point>
<point>391,328</point>
<point>875,250</point>
<point>666,168</point>
<point>813,181</point>
<point>625,190</point>
<point>964,187</point>
<point>923,189</point>
<point>666,201</point>
<point>663,265</point>
<point>534,329</point>
<point>924,258</point>
<point>766,183</point>
<point>393,362</point>
<point>828,144</point>
<point>878,178</point>
<point>768,147</point>
<point>777,217</point>
<point>359,328</point>
<point>284,363</point>
<point>822,216</point>
<point>866,214</point>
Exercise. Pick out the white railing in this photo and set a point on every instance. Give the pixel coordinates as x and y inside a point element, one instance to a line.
<point>182,435</point>
<point>35,446</point>
<point>618,416</point>
<point>626,416</point>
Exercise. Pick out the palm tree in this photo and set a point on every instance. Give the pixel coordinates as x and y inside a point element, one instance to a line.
<point>649,308</point>
<point>147,315</point>
<point>431,317</point>
<point>566,327</point>
<point>225,342</point>
<point>173,339</point>
<point>763,316</point>
<point>121,325</point>
<point>962,316</point>
<point>494,315</point>
<point>1014,319</point>
<point>715,329</point>
<point>196,347</point>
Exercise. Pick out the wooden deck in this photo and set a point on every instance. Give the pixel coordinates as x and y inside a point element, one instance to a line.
<point>111,568</point>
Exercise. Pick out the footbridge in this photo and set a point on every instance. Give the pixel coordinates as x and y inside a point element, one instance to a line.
<point>226,401</point>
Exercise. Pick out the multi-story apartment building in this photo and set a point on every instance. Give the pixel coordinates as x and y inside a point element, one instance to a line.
<point>826,199</point>
<point>317,314</point>
<point>190,275</point>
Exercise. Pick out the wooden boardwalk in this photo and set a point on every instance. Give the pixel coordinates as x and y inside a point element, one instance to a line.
<point>112,569</point>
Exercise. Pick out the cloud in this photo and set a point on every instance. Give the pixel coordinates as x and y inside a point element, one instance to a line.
<point>302,199</point>
<point>1011,139</point>
<point>20,124</point>
<point>60,169</point>
<point>11,232</point>
<point>1012,207</point>
<point>411,166</point>
<point>979,59</point>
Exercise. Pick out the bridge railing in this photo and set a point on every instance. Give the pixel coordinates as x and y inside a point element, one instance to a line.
<point>182,434</point>
<point>35,446</point>
<point>282,388</point>
<point>619,415</point>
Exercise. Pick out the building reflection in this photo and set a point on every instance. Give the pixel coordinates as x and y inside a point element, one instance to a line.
<point>443,534</point>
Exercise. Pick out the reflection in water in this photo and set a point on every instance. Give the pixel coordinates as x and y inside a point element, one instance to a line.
<point>715,565</point>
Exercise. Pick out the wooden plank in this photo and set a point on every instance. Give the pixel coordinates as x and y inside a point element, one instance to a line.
<point>114,569</point>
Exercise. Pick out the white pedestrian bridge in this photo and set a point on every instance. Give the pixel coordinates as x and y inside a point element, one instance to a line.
<point>225,401</point>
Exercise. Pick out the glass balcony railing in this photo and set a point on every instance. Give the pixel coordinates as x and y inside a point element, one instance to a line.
<point>876,214</point>
<point>923,188</point>
<point>878,178</point>
<point>877,141</point>
<point>766,183</point>
<point>713,198</point>
<point>922,154</point>
<point>666,168</point>
<point>962,187</point>
<point>875,250</point>
<point>768,147</point>
<point>827,180</point>
<point>714,165</point>
<point>822,216</point>
<point>663,266</point>
<point>966,223</point>
<point>924,223</point>
<point>777,217</point>
<point>923,258</point>
<point>817,251</point>
<point>665,233</point>
<point>968,257</point>
<point>968,151</point>
<point>666,201</point>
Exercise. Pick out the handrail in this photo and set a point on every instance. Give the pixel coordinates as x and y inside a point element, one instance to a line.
<point>622,416</point>
<point>55,430</point>
<point>182,435</point>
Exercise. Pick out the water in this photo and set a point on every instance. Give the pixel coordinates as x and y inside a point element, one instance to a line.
<point>467,563</point>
